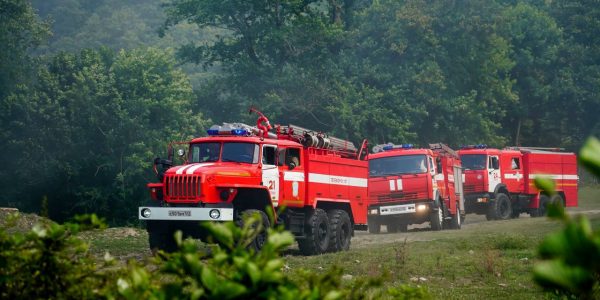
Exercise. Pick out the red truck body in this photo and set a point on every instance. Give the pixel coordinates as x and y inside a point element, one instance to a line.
<point>500,183</point>
<point>412,186</point>
<point>320,181</point>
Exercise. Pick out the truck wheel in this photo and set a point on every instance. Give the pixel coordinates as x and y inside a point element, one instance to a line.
<point>261,237</point>
<point>557,199</point>
<point>490,214</point>
<point>541,210</point>
<point>502,207</point>
<point>318,234</point>
<point>456,222</point>
<point>374,226</point>
<point>160,237</point>
<point>341,230</point>
<point>392,227</point>
<point>403,227</point>
<point>437,218</point>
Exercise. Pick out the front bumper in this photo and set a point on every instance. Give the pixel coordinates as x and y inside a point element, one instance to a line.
<point>409,213</point>
<point>185,213</point>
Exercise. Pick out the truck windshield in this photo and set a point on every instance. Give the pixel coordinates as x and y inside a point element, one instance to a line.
<point>234,152</point>
<point>240,152</point>
<point>205,152</point>
<point>396,165</point>
<point>473,161</point>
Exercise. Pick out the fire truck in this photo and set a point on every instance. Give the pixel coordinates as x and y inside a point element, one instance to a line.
<point>500,182</point>
<point>312,183</point>
<point>413,186</point>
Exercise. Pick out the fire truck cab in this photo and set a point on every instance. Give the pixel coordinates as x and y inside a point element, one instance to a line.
<point>500,183</point>
<point>413,186</point>
<point>313,184</point>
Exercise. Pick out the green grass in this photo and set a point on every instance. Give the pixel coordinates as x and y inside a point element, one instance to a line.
<point>489,260</point>
<point>483,260</point>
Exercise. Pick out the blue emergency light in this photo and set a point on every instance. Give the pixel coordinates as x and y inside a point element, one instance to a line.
<point>389,147</point>
<point>239,131</point>
<point>478,146</point>
<point>213,130</point>
<point>227,130</point>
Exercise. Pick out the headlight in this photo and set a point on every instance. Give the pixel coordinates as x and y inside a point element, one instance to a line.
<point>422,207</point>
<point>374,211</point>
<point>214,213</point>
<point>146,213</point>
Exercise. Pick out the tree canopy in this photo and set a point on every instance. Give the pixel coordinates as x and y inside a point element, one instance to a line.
<point>91,91</point>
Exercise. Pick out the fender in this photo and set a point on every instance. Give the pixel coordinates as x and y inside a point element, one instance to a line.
<point>501,186</point>
<point>328,200</point>
<point>249,191</point>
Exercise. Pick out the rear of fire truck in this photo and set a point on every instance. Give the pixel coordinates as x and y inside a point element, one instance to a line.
<point>412,186</point>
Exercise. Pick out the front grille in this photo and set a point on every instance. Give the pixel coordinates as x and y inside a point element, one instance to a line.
<point>398,197</point>
<point>183,187</point>
<point>468,188</point>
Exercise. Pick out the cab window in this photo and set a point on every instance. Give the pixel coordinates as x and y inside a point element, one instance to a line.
<point>515,163</point>
<point>292,155</point>
<point>269,154</point>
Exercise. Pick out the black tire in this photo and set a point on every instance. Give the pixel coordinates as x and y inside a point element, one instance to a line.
<point>392,227</point>
<point>341,230</point>
<point>501,207</point>
<point>437,217</point>
<point>456,222</point>
<point>541,210</point>
<point>161,237</point>
<point>374,226</point>
<point>557,199</point>
<point>260,239</point>
<point>403,227</point>
<point>490,214</point>
<point>318,234</point>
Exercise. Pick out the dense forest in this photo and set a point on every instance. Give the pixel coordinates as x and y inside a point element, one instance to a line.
<point>92,91</point>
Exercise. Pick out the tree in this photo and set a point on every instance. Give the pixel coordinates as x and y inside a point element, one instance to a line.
<point>20,33</point>
<point>91,127</point>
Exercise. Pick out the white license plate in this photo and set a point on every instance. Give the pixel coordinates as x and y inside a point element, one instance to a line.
<point>180,213</point>
<point>397,209</point>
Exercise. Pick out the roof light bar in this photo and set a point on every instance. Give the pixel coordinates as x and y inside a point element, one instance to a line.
<point>389,147</point>
<point>478,146</point>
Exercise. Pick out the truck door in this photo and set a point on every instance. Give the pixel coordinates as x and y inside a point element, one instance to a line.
<point>493,172</point>
<point>291,174</point>
<point>270,173</point>
<point>513,173</point>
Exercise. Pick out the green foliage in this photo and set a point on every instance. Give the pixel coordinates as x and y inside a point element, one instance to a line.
<point>230,271</point>
<point>87,132</point>
<point>571,257</point>
<point>49,262</point>
<point>20,32</point>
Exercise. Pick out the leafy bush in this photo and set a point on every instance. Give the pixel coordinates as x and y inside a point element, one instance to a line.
<point>51,262</point>
<point>48,262</point>
<point>571,257</point>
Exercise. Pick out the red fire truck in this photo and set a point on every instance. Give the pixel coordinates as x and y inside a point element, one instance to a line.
<point>320,181</point>
<point>413,186</point>
<point>500,183</point>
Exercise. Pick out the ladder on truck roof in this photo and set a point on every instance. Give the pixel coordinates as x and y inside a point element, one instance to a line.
<point>443,148</point>
<point>518,148</point>
<point>311,138</point>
